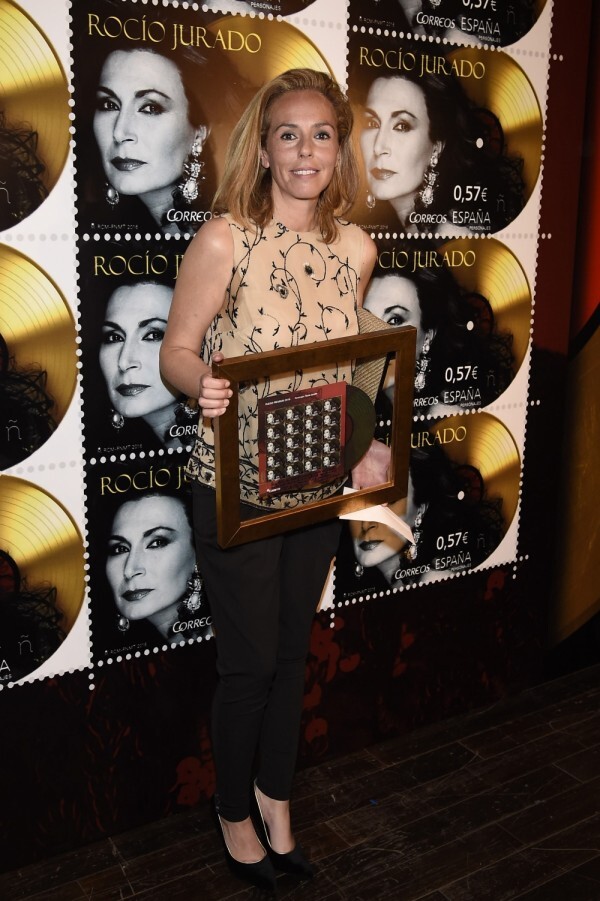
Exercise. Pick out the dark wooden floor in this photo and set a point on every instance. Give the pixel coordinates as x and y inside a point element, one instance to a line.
<point>499,804</point>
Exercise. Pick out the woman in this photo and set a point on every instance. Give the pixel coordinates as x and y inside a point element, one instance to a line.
<point>420,138</point>
<point>444,499</point>
<point>141,125</point>
<point>284,270</point>
<point>375,544</point>
<point>455,333</point>
<point>149,137</point>
<point>132,332</point>
<point>151,569</point>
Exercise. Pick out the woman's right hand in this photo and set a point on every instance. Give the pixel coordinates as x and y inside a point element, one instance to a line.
<point>213,394</point>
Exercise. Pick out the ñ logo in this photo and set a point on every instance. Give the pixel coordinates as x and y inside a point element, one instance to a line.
<point>5,189</point>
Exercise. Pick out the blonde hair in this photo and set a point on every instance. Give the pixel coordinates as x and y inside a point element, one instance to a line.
<point>245,189</point>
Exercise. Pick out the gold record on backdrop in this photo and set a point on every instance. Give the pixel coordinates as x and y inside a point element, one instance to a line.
<point>45,543</point>
<point>38,326</point>
<point>283,47</point>
<point>499,277</point>
<point>33,88</point>
<point>490,447</point>
<point>509,94</point>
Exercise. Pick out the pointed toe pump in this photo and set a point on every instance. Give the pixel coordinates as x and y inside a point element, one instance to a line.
<point>294,861</point>
<point>260,874</point>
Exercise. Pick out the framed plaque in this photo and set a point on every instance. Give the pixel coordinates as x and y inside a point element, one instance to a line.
<point>297,412</point>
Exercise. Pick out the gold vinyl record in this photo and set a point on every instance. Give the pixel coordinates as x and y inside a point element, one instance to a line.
<point>37,326</point>
<point>484,442</point>
<point>45,543</point>
<point>33,95</point>
<point>508,93</point>
<point>282,47</point>
<point>499,277</point>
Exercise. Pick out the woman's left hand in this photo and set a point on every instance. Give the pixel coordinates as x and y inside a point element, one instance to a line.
<point>374,467</point>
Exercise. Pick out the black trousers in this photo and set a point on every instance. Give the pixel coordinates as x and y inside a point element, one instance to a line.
<point>263,596</point>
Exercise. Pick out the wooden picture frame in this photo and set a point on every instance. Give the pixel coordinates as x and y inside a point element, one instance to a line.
<point>399,342</point>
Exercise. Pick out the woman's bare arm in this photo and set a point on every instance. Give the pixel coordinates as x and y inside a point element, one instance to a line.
<point>199,295</point>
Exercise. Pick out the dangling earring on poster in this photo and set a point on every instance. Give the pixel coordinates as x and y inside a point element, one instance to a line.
<point>423,361</point>
<point>430,177</point>
<point>117,420</point>
<point>371,201</point>
<point>193,166</point>
<point>411,552</point>
<point>122,623</point>
<point>187,410</point>
<point>194,596</point>
<point>111,195</point>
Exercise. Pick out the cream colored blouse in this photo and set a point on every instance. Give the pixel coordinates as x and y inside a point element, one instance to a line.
<point>287,288</point>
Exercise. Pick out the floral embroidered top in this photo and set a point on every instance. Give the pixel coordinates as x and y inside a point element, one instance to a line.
<point>287,288</point>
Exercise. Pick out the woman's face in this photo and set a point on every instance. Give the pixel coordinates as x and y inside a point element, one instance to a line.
<point>395,140</point>
<point>394,299</point>
<point>141,123</point>
<point>374,543</point>
<point>301,147</point>
<point>136,318</point>
<point>150,558</point>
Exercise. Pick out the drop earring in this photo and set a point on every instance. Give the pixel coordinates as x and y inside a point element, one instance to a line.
<point>429,179</point>
<point>117,420</point>
<point>111,195</point>
<point>122,624</point>
<point>192,168</point>
<point>412,551</point>
<point>423,361</point>
<point>186,411</point>
<point>371,201</point>
<point>358,570</point>
<point>194,595</point>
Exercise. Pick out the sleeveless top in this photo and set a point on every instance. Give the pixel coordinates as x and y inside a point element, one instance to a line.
<point>287,288</point>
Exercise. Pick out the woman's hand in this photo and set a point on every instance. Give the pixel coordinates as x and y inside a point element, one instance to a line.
<point>214,394</point>
<point>374,467</point>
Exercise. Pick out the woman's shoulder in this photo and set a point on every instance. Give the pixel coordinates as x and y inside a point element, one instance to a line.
<point>348,231</point>
<point>214,236</point>
<point>345,225</point>
<point>360,239</point>
<point>220,223</point>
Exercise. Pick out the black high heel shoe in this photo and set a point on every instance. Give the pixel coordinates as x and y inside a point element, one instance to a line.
<point>294,861</point>
<point>260,874</point>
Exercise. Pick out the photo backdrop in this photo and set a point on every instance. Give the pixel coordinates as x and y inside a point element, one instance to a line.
<point>118,113</point>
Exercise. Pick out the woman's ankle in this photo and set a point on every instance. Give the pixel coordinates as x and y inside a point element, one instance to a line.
<point>242,841</point>
<point>276,816</point>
